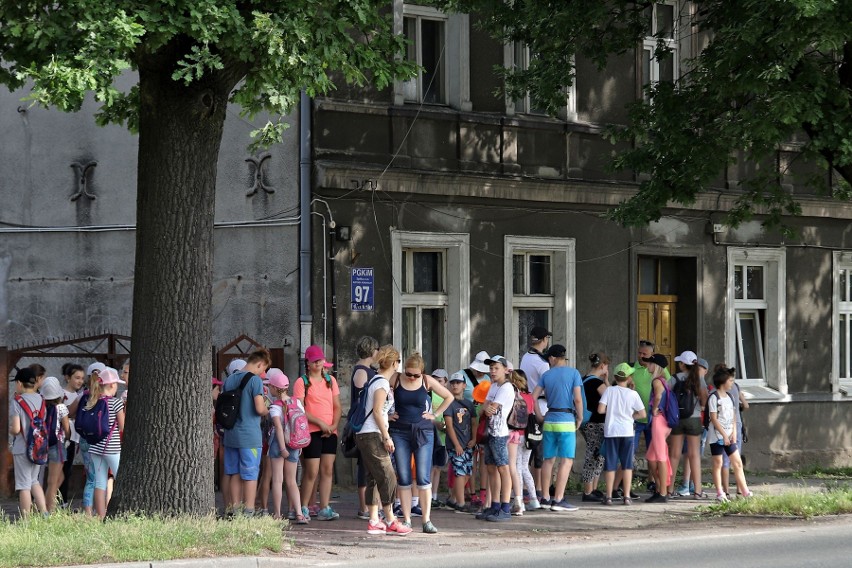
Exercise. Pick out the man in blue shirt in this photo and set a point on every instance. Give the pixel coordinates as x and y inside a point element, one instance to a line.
<point>244,442</point>
<point>561,386</point>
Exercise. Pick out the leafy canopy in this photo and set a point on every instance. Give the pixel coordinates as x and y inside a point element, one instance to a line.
<point>269,49</point>
<point>772,75</point>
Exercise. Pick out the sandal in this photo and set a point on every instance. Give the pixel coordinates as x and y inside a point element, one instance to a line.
<point>606,501</point>
<point>302,520</point>
<point>701,495</point>
<point>628,501</point>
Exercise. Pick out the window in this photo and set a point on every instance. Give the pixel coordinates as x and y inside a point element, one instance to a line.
<point>431,297</point>
<point>842,323</point>
<point>517,56</point>
<point>439,44</point>
<point>662,28</point>
<point>757,317</point>
<point>539,283</point>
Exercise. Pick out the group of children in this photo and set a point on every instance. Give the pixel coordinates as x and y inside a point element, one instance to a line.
<point>45,442</point>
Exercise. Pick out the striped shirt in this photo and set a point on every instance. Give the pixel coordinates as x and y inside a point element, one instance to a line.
<point>112,443</point>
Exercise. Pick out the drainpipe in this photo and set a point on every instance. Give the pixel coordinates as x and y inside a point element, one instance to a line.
<point>305,166</point>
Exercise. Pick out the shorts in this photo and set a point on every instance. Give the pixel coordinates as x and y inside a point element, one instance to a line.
<point>720,448</point>
<point>243,461</point>
<point>320,446</point>
<point>559,440</point>
<point>439,456</point>
<point>275,452</point>
<point>463,464</point>
<point>618,449</point>
<point>688,427</point>
<point>56,453</point>
<point>516,436</point>
<point>497,451</point>
<point>26,472</point>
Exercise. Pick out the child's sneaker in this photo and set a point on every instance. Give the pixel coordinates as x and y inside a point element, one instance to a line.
<point>397,510</point>
<point>683,491</point>
<point>291,516</point>
<point>327,514</point>
<point>517,510</point>
<point>365,515</point>
<point>314,509</point>
<point>416,511</point>
<point>307,512</point>
<point>398,528</point>
<point>721,498</point>
<point>499,517</point>
<point>377,527</point>
<point>534,505</point>
<point>563,506</point>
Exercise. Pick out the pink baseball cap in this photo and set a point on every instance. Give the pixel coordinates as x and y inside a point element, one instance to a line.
<point>109,376</point>
<point>314,353</point>
<point>277,378</point>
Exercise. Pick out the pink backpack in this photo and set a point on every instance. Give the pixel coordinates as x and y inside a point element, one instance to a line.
<point>296,434</point>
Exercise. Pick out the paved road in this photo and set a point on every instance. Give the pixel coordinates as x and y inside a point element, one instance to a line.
<point>815,545</point>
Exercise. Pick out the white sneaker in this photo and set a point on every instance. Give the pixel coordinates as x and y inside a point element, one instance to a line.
<point>533,505</point>
<point>721,498</point>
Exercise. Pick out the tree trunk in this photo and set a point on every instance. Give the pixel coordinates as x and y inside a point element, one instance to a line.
<point>167,453</point>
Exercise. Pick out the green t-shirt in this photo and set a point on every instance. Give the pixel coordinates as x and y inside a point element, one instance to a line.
<point>436,402</point>
<point>642,380</point>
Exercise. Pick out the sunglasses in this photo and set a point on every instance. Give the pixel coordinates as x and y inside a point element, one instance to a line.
<point>412,375</point>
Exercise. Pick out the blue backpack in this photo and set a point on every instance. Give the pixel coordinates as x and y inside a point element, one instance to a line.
<point>669,406</point>
<point>358,413</point>
<point>92,423</point>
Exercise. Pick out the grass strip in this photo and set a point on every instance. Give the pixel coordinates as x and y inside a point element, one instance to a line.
<point>795,504</point>
<point>66,538</point>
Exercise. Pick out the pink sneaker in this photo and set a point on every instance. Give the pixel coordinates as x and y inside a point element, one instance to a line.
<point>377,527</point>
<point>314,510</point>
<point>398,528</point>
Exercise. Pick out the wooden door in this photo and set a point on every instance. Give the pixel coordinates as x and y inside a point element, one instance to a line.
<point>657,323</point>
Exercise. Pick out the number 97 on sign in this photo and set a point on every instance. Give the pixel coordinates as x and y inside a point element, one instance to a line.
<point>362,290</point>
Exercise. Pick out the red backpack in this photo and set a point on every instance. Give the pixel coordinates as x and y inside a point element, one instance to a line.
<point>37,437</point>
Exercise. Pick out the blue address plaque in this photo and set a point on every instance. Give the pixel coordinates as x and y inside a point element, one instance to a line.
<point>362,289</point>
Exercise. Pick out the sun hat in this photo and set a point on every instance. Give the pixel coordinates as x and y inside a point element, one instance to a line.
<point>50,388</point>
<point>481,391</point>
<point>234,366</point>
<point>109,376</point>
<point>277,378</point>
<point>478,363</point>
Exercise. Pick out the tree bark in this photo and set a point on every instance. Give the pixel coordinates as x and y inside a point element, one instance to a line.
<point>167,453</point>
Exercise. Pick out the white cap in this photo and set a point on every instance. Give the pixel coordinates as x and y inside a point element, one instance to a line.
<point>687,358</point>
<point>109,376</point>
<point>478,363</point>
<point>235,365</point>
<point>50,389</point>
<point>96,366</point>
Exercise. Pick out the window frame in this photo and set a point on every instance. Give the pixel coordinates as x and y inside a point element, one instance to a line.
<point>650,44</point>
<point>561,302</point>
<point>456,274</point>
<point>774,308</point>
<point>841,260</point>
<point>567,112</point>
<point>456,56</point>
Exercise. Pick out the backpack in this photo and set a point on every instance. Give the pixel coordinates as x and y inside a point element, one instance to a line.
<point>307,382</point>
<point>228,404</point>
<point>358,414</point>
<point>50,425</point>
<point>706,419</point>
<point>587,412</point>
<point>92,423</point>
<point>296,432</point>
<point>686,401</point>
<point>533,432</point>
<point>669,406</point>
<point>37,436</point>
<point>520,413</point>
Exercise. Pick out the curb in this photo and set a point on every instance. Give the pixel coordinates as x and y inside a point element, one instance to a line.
<point>231,562</point>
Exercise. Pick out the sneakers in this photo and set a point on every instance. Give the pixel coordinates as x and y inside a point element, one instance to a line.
<point>499,517</point>
<point>416,511</point>
<point>598,493</point>
<point>652,487</point>
<point>377,527</point>
<point>397,510</point>
<point>657,498</point>
<point>484,513</point>
<point>397,528</point>
<point>307,512</point>
<point>291,515</point>
<point>534,505</point>
<point>683,491</point>
<point>327,514</point>
<point>563,506</point>
<point>437,504</point>
<point>590,498</point>
<point>546,503</point>
<point>429,528</point>
<point>620,494</point>
<point>517,510</point>
<point>722,498</point>
<point>365,515</point>
<point>314,510</point>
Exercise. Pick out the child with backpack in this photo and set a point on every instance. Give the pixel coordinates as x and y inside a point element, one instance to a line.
<point>519,454</point>
<point>106,453</point>
<point>284,458</point>
<point>26,418</point>
<point>92,373</point>
<point>722,433</point>
<point>59,429</point>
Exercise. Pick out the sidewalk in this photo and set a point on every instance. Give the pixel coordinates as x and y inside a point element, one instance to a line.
<point>346,538</point>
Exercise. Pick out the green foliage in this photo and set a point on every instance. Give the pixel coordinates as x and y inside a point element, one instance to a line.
<point>65,538</point>
<point>770,74</point>
<point>269,50</point>
<point>837,501</point>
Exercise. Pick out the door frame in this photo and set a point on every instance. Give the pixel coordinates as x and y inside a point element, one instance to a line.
<point>675,251</point>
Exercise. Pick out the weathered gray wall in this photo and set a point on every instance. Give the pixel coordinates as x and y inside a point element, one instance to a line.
<point>69,283</point>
